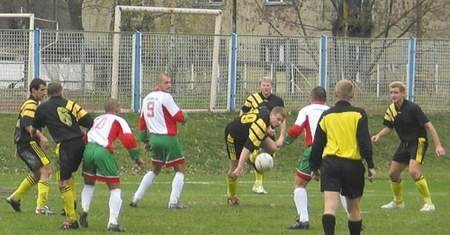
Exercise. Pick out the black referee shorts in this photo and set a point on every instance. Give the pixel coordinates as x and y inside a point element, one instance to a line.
<point>342,175</point>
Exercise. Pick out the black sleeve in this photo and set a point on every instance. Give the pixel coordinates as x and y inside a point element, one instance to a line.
<point>363,137</point>
<point>87,121</point>
<point>320,140</point>
<point>421,117</point>
<point>281,102</point>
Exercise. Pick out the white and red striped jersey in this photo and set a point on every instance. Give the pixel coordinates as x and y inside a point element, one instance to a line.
<point>160,114</point>
<point>307,119</point>
<point>107,128</point>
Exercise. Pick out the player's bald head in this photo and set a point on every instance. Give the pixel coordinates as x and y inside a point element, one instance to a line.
<point>164,82</point>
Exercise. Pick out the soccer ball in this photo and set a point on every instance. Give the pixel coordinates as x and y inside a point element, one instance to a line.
<point>263,162</point>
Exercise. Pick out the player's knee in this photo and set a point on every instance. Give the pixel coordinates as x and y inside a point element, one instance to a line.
<point>46,171</point>
<point>394,176</point>
<point>415,174</point>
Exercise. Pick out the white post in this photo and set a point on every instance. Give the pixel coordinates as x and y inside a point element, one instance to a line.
<point>378,80</point>
<point>192,77</point>
<point>215,63</point>
<point>115,53</point>
<point>31,51</point>
<point>244,77</point>
<point>30,64</point>
<point>436,77</point>
<point>292,79</point>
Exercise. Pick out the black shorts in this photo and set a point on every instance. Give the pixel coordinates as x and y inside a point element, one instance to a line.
<point>234,147</point>
<point>33,155</point>
<point>70,156</point>
<point>408,150</point>
<point>342,175</point>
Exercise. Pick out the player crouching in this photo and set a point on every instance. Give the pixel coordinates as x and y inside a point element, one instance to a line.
<point>244,135</point>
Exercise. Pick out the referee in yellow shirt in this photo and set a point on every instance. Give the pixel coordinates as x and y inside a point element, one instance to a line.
<point>341,142</point>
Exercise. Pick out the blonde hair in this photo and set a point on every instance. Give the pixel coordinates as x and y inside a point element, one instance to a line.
<point>398,84</point>
<point>161,76</point>
<point>344,89</point>
<point>279,110</point>
<point>266,79</point>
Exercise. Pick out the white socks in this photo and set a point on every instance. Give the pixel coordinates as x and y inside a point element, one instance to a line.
<point>146,182</point>
<point>86,197</point>
<point>115,203</point>
<point>301,203</point>
<point>177,187</point>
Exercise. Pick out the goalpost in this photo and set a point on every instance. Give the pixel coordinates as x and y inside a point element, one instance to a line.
<point>116,42</point>
<point>31,55</point>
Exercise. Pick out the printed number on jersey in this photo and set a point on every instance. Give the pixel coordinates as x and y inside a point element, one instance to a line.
<point>150,109</point>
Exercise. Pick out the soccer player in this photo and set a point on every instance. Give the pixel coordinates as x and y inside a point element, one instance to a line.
<point>411,125</point>
<point>266,98</point>
<point>30,151</point>
<point>307,120</point>
<point>100,164</point>
<point>63,118</point>
<point>158,125</point>
<point>243,136</point>
<point>341,141</point>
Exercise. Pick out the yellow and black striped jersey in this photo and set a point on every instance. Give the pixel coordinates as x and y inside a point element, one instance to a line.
<point>408,121</point>
<point>63,118</point>
<point>342,131</point>
<point>250,129</point>
<point>25,118</point>
<point>256,100</point>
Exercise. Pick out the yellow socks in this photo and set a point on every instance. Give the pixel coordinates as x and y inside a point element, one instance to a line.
<point>422,185</point>
<point>43,188</point>
<point>68,200</point>
<point>231,187</point>
<point>24,186</point>
<point>397,189</point>
<point>259,178</point>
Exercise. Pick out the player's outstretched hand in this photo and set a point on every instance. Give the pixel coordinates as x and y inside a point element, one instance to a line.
<point>371,174</point>
<point>440,151</point>
<point>375,138</point>
<point>235,174</point>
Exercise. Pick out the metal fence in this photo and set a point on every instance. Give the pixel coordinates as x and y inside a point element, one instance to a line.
<point>217,72</point>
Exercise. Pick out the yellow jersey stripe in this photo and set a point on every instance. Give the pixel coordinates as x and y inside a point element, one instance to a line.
<point>259,130</point>
<point>28,108</point>
<point>28,113</point>
<point>78,112</point>
<point>29,104</point>
<point>254,138</point>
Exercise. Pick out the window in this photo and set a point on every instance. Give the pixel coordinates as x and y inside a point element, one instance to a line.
<point>216,2</point>
<point>277,2</point>
<point>278,51</point>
